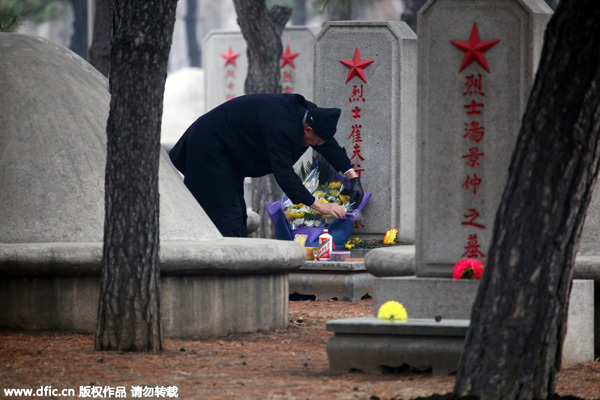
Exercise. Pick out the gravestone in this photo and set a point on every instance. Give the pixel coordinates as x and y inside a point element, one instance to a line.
<point>477,62</point>
<point>368,70</point>
<point>225,66</point>
<point>226,63</point>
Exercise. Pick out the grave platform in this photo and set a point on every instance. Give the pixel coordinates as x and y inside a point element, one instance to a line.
<point>208,288</point>
<point>325,280</point>
<point>378,346</point>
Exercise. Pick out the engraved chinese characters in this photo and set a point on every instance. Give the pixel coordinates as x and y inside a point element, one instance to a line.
<point>368,70</point>
<point>476,67</point>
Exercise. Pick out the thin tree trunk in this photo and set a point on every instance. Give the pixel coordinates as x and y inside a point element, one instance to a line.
<point>262,31</point>
<point>129,306</point>
<point>191,20</point>
<point>299,12</point>
<point>100,49</point>
<point>411,9</point>
<point>514,345</point>
<point>79,39</point>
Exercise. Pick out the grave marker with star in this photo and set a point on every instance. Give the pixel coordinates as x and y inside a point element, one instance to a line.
<point>476,66</point>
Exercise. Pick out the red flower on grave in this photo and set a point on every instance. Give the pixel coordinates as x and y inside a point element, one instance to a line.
<point>468,269</point>
<point>474,49</point>
<point>288,57</point>
<point>230,57</point>
<point>357,67</point>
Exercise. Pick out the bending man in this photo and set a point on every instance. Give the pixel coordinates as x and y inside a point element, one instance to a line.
<point>252,136</point>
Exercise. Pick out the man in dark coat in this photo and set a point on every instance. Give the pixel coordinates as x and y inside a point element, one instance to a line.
<point>252,136</point>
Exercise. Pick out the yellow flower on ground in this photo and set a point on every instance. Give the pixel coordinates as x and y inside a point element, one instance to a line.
<point>393,311</point>
<point>390,236</point>
<point>348,245</point>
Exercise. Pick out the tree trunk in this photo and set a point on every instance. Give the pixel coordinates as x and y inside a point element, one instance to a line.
<point>79,38</point>
<point>129,306</point>
<point>299,12</point>
<point>411,9</point>
<point>262,31</point>
<point>194,52</point>
<point>513,347</point>
<point>100,48</point>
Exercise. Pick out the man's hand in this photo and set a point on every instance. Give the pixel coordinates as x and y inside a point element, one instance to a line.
<point>355,191</point>
<point>329,208</point>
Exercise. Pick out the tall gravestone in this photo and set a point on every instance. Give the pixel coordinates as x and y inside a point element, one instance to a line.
<point>226,63</point>
<point>368,70</point>
<point>225,66</point>
<point>477,62</point>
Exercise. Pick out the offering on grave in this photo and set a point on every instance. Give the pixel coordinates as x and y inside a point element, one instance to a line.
<point>393,311</point>
<point>468,269</point>
<point>326,185</point>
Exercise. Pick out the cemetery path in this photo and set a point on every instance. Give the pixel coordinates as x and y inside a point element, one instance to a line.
<point>286,364</point>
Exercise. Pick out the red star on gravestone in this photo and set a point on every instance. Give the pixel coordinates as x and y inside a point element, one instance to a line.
<point>474,49</point>
<point>288,57</point>
<point>356,66</point>
<point>230,57</point>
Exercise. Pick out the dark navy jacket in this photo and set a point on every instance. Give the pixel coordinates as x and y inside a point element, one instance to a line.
<point>248,136</point>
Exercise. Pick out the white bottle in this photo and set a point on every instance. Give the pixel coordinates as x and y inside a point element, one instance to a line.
<point>325,246</point>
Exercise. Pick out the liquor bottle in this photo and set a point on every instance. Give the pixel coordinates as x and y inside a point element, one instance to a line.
<point>325,246</point>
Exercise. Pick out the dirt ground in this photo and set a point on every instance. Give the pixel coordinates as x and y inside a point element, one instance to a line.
<point>286,364</point>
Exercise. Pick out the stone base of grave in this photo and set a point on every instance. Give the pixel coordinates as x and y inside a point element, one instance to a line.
<point>208,288</point>
<point>391,261</point>
<point>325,280</point>
<point>452,299</point>
<point>377,347</point>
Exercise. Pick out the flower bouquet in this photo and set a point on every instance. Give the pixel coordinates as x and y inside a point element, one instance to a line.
<point>326,185</point>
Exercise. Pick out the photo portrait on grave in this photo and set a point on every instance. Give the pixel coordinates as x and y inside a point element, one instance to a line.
<point>251,136</point>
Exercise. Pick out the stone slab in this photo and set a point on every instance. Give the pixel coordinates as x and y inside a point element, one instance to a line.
<point>377,125</point>
<point>468,119</point>
<point>391,261</point>
<point>347,266</point>
<point>378,347</point>
<point>453,299</point>
<point>411,327</point>
<point>332,284</point>
<point>228,256</point>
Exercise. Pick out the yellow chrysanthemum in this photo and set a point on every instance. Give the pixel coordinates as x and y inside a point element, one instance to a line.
<point>318,193</point>
<point>348,245</point>
<point>393,311</point>
<point>335,185</point>
<point>343,198</point>
<point>333,192</point>
<point>323,200</point>
<point>390,236</point>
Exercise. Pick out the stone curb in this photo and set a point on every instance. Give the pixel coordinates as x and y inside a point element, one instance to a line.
<point>228,256</point>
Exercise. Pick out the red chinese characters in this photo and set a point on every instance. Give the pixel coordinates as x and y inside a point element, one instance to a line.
<point>473,135</point>
<point>230,66</point>
<point>287,68</point>
<point>356,69</point>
